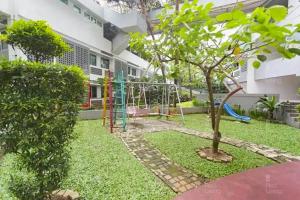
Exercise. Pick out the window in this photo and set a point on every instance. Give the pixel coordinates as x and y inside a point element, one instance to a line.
<point>129,70</point>
<point>96,71</point>
<point>3,45</point>
<point>77,9</point>
<point>65,1</point>
<point>105,63</point>
<point>93,91</point>
<point>133,72</point>
<point>93,59</point>
<point>87,15</point>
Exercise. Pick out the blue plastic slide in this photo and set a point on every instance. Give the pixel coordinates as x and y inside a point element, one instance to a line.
<point>231,112</point>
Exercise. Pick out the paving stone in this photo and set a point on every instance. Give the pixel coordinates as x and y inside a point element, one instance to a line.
<point>177,185</point>
<point>264,150</point>
<point>168,177</point>
<point>175,176</point>
<point>182,189</point>
<point>183,183</point>
<point>171,173</point>
<point>172,180</point>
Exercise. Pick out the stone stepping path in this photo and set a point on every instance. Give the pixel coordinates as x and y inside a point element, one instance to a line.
<point>175,176</point>
<point>277,155</point>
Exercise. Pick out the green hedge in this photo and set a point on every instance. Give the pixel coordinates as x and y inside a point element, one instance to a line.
<point>39,104</point>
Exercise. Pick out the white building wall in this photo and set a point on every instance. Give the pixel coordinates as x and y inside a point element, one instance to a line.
<point>277,75</point>
<point>286,86</point>
<point>130,57</point>
<point>72,25</point>
<point>63,19</point>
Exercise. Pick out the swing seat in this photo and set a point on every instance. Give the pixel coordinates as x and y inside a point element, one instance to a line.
<point>131,110</point>
<point>142,112</point>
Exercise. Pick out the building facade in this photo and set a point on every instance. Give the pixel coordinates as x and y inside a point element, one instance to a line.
<point>276,75</point>
<point>98,36</point>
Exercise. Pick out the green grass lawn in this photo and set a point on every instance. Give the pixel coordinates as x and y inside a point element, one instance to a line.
<point>275,135</point>
<point>181,148</point>
<point>101,168</point>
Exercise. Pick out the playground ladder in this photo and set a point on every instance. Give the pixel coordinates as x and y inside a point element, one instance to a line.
<point>119,108</point>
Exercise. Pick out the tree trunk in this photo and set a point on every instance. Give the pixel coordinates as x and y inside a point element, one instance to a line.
<point>150,29</point>
<point>190,80</point>
<point>211,98</point>
<point>217,135</point>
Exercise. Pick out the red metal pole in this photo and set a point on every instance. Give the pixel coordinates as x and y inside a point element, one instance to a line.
<point>111,107</point>
<point>90,96</point>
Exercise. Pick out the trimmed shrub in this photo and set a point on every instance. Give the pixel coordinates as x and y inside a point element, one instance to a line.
<point>39,104</point>
<point>197,103</point>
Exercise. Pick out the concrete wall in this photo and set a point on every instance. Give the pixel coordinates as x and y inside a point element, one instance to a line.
<point>130,57</point>
<point>285,85</point>
<point>246,101</point>
<point>97,114</point>
<point>278,67</point>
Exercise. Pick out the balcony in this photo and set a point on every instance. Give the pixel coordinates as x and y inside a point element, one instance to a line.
<point>277,68</point>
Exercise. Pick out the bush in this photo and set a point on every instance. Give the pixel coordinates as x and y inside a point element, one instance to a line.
<point>196,102</point>
<point>184,96</point>
<point>258,115</point>
<point>39,104</point>
<point>238,110</point>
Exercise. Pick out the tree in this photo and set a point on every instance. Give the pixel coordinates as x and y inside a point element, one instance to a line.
<point>218,45</point>
<point>35,39</point>
<point>268,103</point>
<point>38,112</point>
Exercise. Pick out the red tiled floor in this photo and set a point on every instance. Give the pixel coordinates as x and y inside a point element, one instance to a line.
<point>276,182</point>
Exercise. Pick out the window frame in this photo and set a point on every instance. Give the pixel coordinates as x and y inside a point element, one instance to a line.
<point>95,56</point>
<point>102,63</point>
<point>94,94</point>
<point>133,70</point>
<point>129,70</point>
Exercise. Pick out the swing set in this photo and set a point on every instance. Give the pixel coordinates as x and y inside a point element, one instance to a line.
<point>127,100</point>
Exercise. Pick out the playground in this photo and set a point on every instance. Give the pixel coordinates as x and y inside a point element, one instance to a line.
<point>168,143</point>
<point>155,147</point>
<point>185,127</point>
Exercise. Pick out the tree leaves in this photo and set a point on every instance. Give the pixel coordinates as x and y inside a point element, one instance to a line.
<point>284,52</point>
<point>262,58</point>
<point>256,64</point>
<point>36,39</point>
<point>224,17</point>
<point>277,12</point>
<point>295,51</point>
